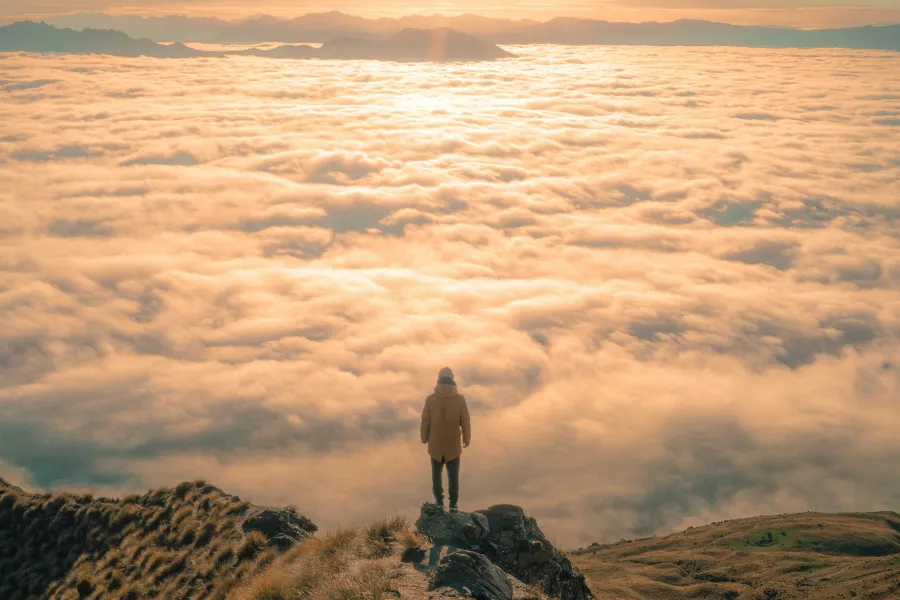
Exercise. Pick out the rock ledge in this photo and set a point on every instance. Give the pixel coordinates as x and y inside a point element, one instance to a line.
<point>509,539</point>
<point>283,527</point>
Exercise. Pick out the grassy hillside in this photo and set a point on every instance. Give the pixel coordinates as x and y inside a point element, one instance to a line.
<point>195,541</point>
<point>808,555</point>
<point>185,542</point>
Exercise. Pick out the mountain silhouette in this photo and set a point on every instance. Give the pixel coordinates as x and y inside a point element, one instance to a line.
<point>27,36</point>
<point>416,44</point>
<point>700,33</point>
<point>407,45</point>
<point>324,27</point>
<point>311,28</point>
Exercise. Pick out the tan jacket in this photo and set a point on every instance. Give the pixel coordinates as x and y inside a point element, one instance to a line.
<point>444,415</point>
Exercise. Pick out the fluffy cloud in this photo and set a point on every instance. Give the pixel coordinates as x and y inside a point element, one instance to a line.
<point>668,280</point>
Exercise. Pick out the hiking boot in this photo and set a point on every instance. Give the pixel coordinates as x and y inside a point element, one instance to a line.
<point>440,506</point>
<point>454,509</point>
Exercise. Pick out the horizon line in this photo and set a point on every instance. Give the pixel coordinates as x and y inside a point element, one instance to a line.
<point>45,18</point>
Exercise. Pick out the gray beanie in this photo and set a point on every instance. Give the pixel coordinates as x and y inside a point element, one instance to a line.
<point>446,375</point>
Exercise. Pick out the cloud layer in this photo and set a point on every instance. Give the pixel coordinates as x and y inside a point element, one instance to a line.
<point>668,280</point>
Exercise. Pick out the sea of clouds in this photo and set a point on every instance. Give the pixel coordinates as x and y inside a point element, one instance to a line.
<point>668,280</point>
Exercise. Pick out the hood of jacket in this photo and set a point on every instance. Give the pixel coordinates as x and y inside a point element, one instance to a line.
<point>445,390</point>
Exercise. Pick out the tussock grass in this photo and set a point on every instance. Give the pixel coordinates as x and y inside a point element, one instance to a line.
<point>409,539</point>
<point>207,531</point>
<point>182,514</point>
<point>183,543</point>
<point>381,534</point>
<point>347,564</point>
<point>253,545</point>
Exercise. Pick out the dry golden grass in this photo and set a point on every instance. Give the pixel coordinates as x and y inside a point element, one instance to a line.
<point>347,564</point>
<point>409,538</point>
<point>181,543</point>
<point>805,556</point>
<point>381,534</point>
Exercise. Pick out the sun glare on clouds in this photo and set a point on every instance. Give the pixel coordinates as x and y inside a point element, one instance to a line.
<point>431,103</point>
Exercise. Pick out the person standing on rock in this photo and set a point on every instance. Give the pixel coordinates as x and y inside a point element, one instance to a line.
<point>446,429</point>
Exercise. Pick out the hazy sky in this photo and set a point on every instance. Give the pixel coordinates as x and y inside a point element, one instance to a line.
<point>668,280</point>
<point>802,13</point>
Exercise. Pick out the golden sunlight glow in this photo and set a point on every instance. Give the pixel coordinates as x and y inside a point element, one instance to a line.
<point>797,13</point>
<point>423,102</point>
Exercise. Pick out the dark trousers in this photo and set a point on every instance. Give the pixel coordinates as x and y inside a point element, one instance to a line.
<point>437,472</point>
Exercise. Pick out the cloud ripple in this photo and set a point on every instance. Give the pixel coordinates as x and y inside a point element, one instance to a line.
<point>669,280</point>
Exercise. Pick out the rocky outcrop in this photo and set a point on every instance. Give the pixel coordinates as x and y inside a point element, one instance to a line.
<point>511,540</point>
<point>282,527</point>
<point>452,529</point>
<point>518,546</point>
<point>473,575</point>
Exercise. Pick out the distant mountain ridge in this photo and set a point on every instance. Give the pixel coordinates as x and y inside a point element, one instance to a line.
<point>406,45</point>
<point>311,28</point>
<point>27,36</point>
<point>410,44</point>
<point>322,27</point>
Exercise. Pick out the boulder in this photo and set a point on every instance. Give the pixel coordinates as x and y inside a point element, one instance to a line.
<point>461,530</point>
<point>282,527</point>
<point>473,575</point>
<point>508,517</point>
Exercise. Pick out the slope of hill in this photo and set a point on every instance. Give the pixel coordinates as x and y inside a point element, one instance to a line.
<point>322,27</point>
<point>809,555</point>
<point>193,541</point>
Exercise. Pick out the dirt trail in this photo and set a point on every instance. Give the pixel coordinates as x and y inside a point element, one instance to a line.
<point>412,577</point>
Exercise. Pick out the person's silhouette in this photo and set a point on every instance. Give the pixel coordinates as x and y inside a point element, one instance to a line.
<point>447,429</point>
